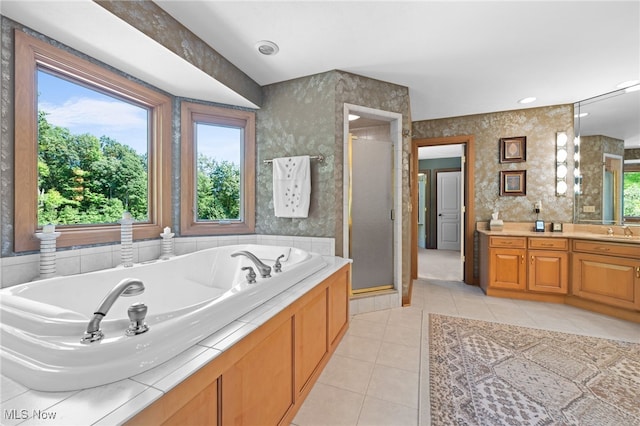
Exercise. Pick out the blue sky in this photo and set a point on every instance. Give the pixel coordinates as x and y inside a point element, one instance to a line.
<point>83,110</point>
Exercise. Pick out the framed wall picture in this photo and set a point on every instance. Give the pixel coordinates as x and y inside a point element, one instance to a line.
<point>513,150</point>
<point>513,182</point>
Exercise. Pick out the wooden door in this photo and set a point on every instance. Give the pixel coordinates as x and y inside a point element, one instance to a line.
<point>449,210</point>
<point>548,271</point>
<point>507,268</point>
<point>611,280</point>
<point>311,338</point>
<point>258,389</point>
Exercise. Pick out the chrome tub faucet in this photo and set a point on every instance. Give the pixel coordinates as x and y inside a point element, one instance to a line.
<point>126,287</point>
<point>265,270</point>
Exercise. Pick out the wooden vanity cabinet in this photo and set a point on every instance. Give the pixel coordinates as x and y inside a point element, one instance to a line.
<point>548,270</point>
<point>512,265</point>
<point>264,378</point>
<point>607,273</point>
<point>507,265</point>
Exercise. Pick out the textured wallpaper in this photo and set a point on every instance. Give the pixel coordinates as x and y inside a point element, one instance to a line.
<point>632,154</point>
<point>297,119</point>
<point>539,125</point>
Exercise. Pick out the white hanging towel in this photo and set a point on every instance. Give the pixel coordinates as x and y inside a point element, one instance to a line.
<point>291,186</point>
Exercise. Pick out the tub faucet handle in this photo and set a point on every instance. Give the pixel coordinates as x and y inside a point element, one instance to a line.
<point>277,267</point>
<point>251,275</point>
<point>137,312</point>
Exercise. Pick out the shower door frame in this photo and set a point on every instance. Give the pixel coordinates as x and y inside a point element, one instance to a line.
<point>395,134</point>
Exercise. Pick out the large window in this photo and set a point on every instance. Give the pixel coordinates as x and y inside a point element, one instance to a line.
<point>217,170</point>
<point>89,145</point>
<point>92,154</point>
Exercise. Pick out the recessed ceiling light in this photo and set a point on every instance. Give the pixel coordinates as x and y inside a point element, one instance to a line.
<point>267,47</point>
<point>527,100</point>
<point>627,83</point>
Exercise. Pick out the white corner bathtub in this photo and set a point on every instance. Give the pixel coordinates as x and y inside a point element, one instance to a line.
<point>189,297</point>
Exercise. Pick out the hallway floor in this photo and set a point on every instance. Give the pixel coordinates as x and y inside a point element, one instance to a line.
<point>373,378</point>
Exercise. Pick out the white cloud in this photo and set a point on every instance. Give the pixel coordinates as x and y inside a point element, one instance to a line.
<point>101,114</point>
<point>118,120</point>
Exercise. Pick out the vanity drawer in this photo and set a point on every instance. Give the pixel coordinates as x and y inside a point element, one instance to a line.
<point>549,243</point>
<point>626,250</point>
<point>510,242</point>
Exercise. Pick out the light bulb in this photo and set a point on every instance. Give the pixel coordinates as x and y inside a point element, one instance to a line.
<point>561,155</point>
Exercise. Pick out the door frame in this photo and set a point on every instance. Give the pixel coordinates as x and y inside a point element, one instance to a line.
<point>469,212</point>
<point>395,134</point>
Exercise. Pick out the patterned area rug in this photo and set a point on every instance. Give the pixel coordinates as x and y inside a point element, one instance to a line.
<point>484,373</point>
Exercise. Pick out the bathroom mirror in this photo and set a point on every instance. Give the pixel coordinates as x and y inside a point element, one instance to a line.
<point>607,129</point>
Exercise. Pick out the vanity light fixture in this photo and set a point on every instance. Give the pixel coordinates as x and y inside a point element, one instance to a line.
<point>577,177</point>
<point>561,163</point>
<point>353,117</point>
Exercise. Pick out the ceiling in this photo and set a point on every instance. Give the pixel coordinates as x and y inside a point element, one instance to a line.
<point>456,57</point>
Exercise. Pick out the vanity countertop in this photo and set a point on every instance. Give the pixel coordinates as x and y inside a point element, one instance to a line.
<point>582,232</point>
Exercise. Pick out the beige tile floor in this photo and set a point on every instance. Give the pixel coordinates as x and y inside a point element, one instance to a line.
<point>373,378</point>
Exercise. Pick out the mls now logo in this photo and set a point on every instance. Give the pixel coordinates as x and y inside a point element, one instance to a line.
<point>16,414</point>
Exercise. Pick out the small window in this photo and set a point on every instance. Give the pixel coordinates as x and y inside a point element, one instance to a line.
<point>62,170</point>
<point>217,171</point>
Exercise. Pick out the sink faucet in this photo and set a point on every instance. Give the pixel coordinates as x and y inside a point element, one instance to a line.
<point>627,232</point>
<point>126,287</point>
<point>265,270</point>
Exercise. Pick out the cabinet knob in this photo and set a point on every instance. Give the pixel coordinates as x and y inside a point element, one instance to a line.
<point>532,259</point>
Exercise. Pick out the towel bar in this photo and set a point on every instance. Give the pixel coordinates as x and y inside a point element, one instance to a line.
<point>320,159</point>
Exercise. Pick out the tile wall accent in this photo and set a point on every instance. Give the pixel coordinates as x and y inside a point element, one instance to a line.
<point>20,269</point>
<point>379,302</point>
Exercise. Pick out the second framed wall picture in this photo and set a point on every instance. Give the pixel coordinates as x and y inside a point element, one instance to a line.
<point>513,182</point>
<point>513,150</point>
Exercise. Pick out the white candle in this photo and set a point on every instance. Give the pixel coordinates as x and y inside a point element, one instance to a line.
<point>167,230</point>
<point>126,215</point>
<point>49,228</point>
